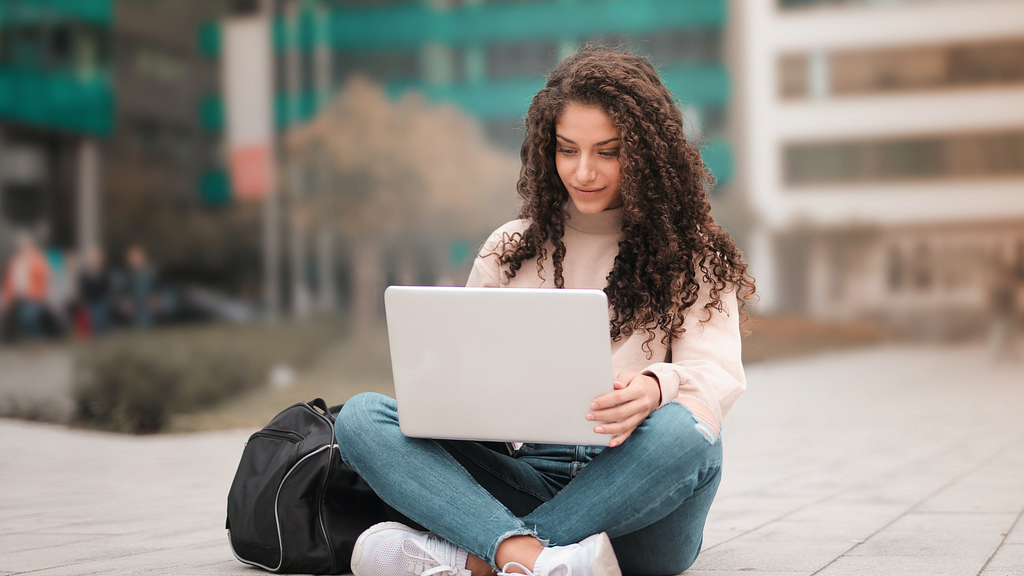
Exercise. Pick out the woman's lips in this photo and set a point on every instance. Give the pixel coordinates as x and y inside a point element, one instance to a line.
<point>586,191</point>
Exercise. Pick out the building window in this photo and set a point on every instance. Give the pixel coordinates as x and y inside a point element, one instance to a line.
<point>952,156</point>
<point>794,76</point>
<point>152,140</point>
<point>58,46</point>
<point>799,4</point>
<point>159,66</point>
<point>521,59</point>
<point>24,47</point>
<point>166,7</point>
<point>681,46</point>
<point>669,47</point>
<point>507,133</point>
<point>381,65</point>
<point>896,269</point>
<point>907,69</point>
<point>713,120</point>
<point>995,62</point>
<point>921,268</point>
<point>349,4</point>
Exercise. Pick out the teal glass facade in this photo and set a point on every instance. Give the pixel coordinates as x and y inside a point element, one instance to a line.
<point>54,64</point>
<point>489,57</point>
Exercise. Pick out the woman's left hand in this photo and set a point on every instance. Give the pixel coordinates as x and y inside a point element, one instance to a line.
<point>622,410</point>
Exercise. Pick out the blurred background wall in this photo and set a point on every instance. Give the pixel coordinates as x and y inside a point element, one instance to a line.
<point>869,154</point>
<point>881,159</point>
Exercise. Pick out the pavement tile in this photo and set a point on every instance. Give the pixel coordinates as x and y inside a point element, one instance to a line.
<point>742,556</point>
<point>70,554</point>
<point>230,564</point>
<point>889,565</point>
<point>30,522</point>
<point>21,541</point>
<point>995,486</point>
<point>752,511</point>
<point>965,524</point>
<point>819,475</point>
<point>162,561</point>
<point>1016,535</point>
<point>692,572</point>
<point>905,486</point>
<point>933,544</point>
<point>826,532</point>
<point>716,531</point>
<point>867,517</point>
<point>1009,557</point>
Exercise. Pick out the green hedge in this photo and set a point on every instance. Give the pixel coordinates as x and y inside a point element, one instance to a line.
<point>133,381</point>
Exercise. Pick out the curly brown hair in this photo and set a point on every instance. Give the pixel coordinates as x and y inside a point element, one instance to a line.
<point>669,235</point>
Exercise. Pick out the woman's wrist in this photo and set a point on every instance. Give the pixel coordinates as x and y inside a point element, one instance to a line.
<point>652,387</point>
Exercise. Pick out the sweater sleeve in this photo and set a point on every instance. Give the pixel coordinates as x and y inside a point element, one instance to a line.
<point>706,363</point>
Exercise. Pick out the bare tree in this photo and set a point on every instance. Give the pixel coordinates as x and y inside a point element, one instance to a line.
<point>395,177</point>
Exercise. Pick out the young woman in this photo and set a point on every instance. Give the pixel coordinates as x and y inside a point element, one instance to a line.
<point>614,198</point>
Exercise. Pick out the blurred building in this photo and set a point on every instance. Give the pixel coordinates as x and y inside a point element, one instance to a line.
<point>105,137</point>
<point>163,182</point>
<point>881,154</point>
<point>486,57</point>
<point>56,104</point>
<point>489,57</point>
<point>111,118</point>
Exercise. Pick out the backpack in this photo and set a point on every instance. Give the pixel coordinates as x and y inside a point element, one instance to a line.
<point>294,506</point>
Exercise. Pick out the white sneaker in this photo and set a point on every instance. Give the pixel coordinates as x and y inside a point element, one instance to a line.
<point>593,556</point>
<point>393,549</point>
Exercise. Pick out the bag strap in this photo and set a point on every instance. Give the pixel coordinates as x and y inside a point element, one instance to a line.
<point>319,403</point>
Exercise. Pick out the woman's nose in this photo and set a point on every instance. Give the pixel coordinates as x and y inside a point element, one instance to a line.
<point>585,170</point>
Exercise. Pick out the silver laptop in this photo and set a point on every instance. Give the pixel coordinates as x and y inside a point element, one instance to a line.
<point>499,364</point>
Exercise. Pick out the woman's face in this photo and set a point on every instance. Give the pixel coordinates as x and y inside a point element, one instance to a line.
<point>587,158</point>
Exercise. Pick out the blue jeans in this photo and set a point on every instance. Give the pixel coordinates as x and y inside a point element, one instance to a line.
<point>29,317</point>
<point>651,494</point>
<point>99,317</point>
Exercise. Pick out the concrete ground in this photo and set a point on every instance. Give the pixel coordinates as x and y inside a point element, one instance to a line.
<point>891,460</point>
<point>35,382</point>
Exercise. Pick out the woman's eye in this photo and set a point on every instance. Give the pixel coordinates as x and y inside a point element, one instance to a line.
<point>564,151</point>
<point>610,153</point>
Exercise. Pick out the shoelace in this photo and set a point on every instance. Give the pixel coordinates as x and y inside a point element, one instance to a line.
<point>442,567</point>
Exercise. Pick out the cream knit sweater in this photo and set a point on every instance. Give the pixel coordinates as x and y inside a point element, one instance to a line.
<point>703,364</point>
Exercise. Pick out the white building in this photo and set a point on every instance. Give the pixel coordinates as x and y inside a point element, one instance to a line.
<point>880,153</point>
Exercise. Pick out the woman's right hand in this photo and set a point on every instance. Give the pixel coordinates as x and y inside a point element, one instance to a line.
<point>623,409</point>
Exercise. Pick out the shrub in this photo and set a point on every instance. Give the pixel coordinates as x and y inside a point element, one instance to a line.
<point>133,381</point>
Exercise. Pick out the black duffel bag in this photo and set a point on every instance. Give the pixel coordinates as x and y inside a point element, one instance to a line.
<point>294,506</point>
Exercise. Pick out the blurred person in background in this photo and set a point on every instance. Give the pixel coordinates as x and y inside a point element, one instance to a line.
<point>62,288</point>
<point>1003,337</point>
<point>138,299</point>
<point>26,286</point>
<point>616,195</point>
<point>96,292</point>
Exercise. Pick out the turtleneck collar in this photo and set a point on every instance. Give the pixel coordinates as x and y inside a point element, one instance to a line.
<point>604,222</point>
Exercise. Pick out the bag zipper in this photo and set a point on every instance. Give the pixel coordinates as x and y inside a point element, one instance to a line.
<point>277,518</point>
<point>279,434</point>
<point>320,502</point>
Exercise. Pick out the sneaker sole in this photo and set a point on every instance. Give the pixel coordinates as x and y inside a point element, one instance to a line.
<point>357,548</point>
<point>605,563</point>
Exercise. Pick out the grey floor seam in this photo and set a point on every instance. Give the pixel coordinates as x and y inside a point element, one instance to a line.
<point>995,552</point>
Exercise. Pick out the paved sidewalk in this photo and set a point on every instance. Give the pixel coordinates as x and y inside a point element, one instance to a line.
<point>35,381</point>
<point>901,460</point>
